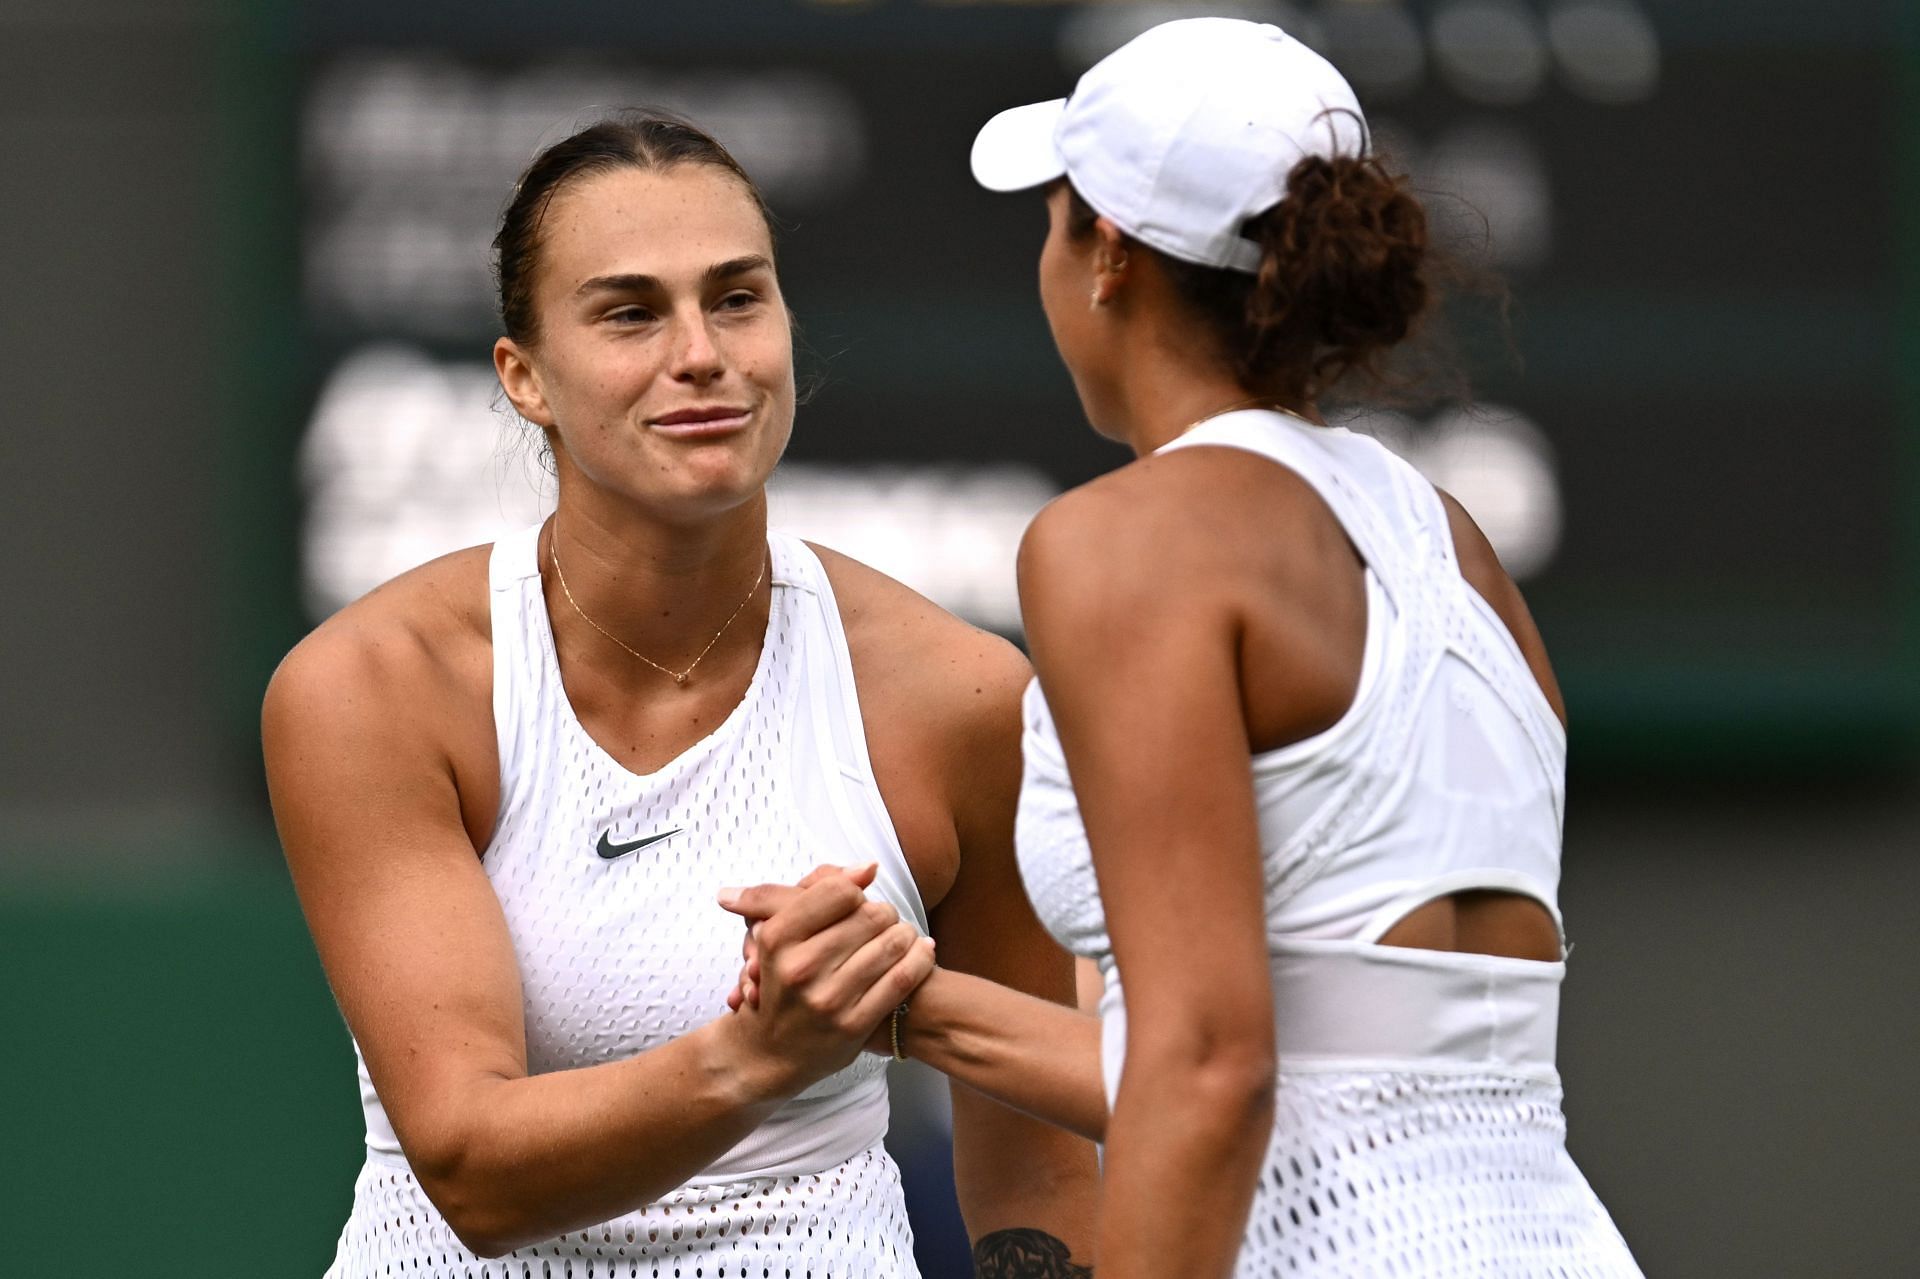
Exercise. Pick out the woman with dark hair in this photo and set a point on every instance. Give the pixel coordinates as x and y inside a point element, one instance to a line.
<point>511,783</point>
<point>1294,756</point>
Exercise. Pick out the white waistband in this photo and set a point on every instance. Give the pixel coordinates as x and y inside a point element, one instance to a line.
<point>1342,1006</point>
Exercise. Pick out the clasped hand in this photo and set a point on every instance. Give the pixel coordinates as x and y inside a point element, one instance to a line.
<point>823,967</point>
<point>823,953</point>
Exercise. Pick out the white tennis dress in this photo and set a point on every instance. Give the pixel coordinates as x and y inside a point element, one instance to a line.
<point>622,951</point>
<point>1418,1129</point>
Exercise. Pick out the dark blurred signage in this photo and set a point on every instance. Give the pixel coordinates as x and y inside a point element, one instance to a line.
<point>1700,464</point>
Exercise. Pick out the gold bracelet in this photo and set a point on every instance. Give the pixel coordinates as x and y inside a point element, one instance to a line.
<point>899,1015</point>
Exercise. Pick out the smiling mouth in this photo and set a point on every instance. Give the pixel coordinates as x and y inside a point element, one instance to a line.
<point>719,419</point>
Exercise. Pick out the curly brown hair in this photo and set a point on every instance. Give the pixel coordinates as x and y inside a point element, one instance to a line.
<point>1348,275</point>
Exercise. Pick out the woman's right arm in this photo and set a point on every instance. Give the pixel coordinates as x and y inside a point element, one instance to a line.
<point>416,948</point>
<point>1039,1057</point>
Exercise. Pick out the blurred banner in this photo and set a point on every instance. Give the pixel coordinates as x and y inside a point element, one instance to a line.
<point>1697,457</point>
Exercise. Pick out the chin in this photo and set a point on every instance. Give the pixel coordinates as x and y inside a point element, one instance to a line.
<point>705,493</point>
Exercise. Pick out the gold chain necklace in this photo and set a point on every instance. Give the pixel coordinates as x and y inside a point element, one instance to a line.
<point>1252,402</point>
<point>678,677</point>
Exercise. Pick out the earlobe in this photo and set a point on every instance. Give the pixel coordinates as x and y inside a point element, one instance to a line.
<point>1109,273</point>
<point>521,382</point>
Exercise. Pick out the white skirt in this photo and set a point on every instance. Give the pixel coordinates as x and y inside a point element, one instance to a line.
<point>848,1222</point>
<point>1426,1175</point>
<point>1417,1129</point>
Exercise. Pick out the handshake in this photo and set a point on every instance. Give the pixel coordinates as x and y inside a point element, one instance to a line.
<point>824,968</point>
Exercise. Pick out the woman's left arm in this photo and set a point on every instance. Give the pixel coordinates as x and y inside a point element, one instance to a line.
<point>1133,617</point>
<point>1000,1009</point>
<point>1026,1188</point>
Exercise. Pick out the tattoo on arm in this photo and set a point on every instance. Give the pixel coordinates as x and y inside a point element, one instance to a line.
<point>1025,1254</point>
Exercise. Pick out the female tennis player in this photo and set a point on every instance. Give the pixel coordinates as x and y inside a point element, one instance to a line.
<point>1295,756</point>
<point>510,783</point>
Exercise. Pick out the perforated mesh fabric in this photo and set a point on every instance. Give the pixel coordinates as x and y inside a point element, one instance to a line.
<point>1447,769</point>
<point>1449,758</point>
<point>844,1223</point>
<point>619,955</point>
<point>1427,1176</point>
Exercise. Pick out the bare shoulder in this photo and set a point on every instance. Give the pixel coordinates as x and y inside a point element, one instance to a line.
<point>415,647</point>
<point>1192,520</point>
<point>909,646</point>
<point>1479,563</point>
<point>1481,566</point>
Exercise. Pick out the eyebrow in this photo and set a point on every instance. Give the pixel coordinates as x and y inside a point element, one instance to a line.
<point>633,282</point>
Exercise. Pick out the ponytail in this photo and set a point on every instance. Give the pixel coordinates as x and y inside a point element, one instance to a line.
<point>1347,276</point>
<point>1343,275</point>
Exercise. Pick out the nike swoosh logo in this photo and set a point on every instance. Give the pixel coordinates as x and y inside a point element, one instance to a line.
<point>609,850</point>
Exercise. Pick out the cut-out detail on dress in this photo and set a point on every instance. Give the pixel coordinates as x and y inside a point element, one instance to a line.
<point>1418,1129</point>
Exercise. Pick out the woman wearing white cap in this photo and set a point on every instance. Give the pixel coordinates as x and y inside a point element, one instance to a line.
<point>1295,756</point>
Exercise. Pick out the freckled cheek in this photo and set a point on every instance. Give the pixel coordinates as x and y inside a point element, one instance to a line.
<point>770,369</point>
<point>616,389</point>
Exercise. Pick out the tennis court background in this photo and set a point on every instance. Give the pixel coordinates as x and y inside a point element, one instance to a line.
<point>1721,348</point>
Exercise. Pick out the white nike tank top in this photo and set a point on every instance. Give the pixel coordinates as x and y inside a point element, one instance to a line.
<point>619,954</point>
<point>1417,1125</point>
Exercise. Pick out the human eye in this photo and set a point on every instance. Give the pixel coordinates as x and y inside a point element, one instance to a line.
<point>739,300</point>
<point>630,315</point>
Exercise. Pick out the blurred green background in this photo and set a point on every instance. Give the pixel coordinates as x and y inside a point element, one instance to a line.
<point>1719,319</point>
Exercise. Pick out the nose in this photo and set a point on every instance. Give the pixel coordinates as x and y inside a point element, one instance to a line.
<point>696,356</point>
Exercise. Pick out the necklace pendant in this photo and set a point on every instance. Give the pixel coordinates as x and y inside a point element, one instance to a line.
<point>681,678</point>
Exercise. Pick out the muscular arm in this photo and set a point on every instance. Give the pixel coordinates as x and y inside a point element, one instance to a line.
<point>1129,590</point>
<point>416,948</point>
<point>1026,1187</point>
<point>942,707</point>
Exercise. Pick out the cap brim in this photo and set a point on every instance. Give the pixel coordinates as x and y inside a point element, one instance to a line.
<point>1014,151</point>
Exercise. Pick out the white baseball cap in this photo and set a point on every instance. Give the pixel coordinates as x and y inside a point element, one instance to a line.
<point>1182,134</point>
